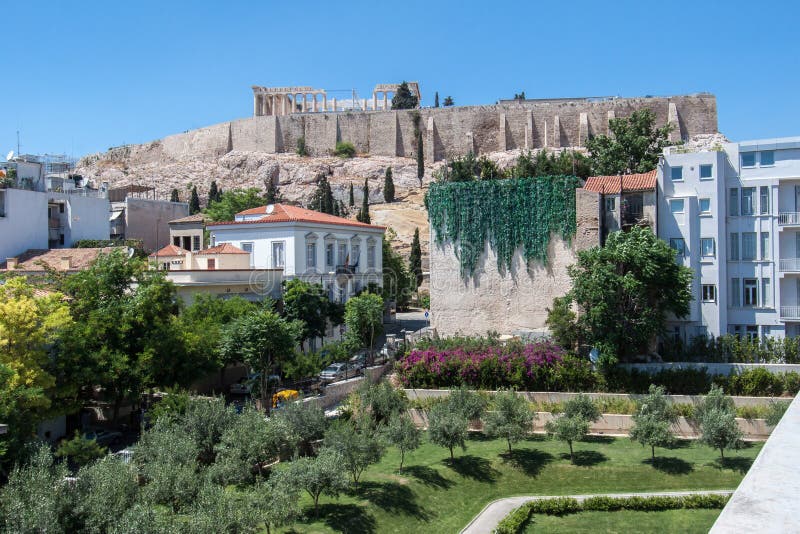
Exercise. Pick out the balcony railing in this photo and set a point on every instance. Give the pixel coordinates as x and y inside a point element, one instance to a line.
<point>788,218</point>
<point>790,312</point>
<point>789,265</point>
<point>346,269</point>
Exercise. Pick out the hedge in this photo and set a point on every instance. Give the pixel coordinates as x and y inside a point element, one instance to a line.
<point>514,522</point>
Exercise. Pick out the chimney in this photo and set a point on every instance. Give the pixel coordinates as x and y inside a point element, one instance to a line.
<point>11,263</point>
<point>65,264</point>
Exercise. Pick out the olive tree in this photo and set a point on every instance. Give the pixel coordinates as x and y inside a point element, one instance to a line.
<point>717,417</point>
<point>304,423</point>
<point>511,418</point>
<point>447,428</point>
<point>569,429</point>
<point>358,448</point>
<point>403,434</point>
<point>652,420</point>
<point>318,476</point>
<point>105,491</point>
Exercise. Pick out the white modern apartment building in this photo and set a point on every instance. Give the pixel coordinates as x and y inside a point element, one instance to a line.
<point>733,215</point>
<point>343,255</point>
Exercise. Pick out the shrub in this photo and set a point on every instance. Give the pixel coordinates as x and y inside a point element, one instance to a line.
<point>301,146</point>
<point>556,506</point>
<point>756,382</point>
<point>514,522</point>
<point>344,149</point>
<point>80,450</point>
<point>775,412</point>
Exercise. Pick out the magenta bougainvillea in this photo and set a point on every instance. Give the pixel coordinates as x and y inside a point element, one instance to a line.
<point>540,366</point>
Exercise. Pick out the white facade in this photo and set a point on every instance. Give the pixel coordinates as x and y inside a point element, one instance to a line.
<point>736,215</point>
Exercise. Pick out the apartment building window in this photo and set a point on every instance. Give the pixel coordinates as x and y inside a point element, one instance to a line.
<point>748,200</point>
<point>311,255</point>
<point>751,332</point>
<point>748,245</point>
<point>679,246</point>
<point>733,205</point>
<point>278,259</point>
<point>329,255</point>
<point>676,173</point>
<point>248,247</point>
<point>195,243</point>
<point>764,245</point>
<point>750,294</point>
<point>767,158</point>
<point>611,204</point>
<point>676,205</point>
<point>748,159</point>
<point>766,293</point>
<point>764,200</point>
<point>371,256</point>
<point>734,246</point>
<point>709,293</point>
<point>706,171</point>
<point>707,248</point>
<point>343,259</point>
<point>705,205</point>
<point>736,300</point>
<point>356,255</point>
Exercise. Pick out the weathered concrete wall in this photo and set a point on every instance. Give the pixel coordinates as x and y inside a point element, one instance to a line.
<point>209,141</point>
<point>354,128</point>
<point>587,217</point>
<point>148,220</point>
<point>257,135</point>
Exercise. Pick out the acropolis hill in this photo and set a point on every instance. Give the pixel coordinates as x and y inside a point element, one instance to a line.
<point>246,152</point>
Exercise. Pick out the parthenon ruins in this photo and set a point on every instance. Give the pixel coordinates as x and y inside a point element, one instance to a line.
<point>269,101</point>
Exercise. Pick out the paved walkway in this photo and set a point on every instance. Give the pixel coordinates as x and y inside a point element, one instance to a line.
<point>495,511</point>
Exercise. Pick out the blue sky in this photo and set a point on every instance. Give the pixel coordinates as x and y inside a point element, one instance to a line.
<point>83,77</point>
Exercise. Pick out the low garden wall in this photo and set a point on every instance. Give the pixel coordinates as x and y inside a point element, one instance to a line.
<point>335,392</point>
<point>725,369</point>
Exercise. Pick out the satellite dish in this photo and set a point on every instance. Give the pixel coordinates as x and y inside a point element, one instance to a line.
<point>9,155</point>
<point>270,208</point>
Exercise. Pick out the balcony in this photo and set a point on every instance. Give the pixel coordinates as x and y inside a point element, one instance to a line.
<point>789,265</point>
<point>789,218</point>
<point>790,313</point>
<point>348,270</point>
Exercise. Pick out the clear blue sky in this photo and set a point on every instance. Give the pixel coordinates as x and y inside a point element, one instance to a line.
<point>80,77</point>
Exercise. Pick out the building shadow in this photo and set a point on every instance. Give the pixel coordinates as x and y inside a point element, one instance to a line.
<point>428,476</point>
<point>391,497</point>
<point>531,461</point>
<point>670,465</point>
<point>469,466</point>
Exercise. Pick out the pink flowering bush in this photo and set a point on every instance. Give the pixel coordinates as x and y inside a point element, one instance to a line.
<point>539,366</point>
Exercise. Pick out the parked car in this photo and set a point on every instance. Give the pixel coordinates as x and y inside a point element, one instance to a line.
<point>338,371</point>
<point>359,361</point>
<point>244,386</point>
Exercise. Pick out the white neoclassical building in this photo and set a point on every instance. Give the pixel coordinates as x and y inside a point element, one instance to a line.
<point>341,254</point>
<point>733,214</point>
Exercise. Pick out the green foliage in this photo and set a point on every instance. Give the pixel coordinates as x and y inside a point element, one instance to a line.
<point>545,163</point>
<point>415,259</point>
<point>511,418</point>
<point>733,349</point>
<point>80,450</point>
<point>569,429</point>
<point>308,304</point>
<point>403,98</point>
<point>218,510</point>
<point>561,322</point>
<point>213,193</point>
<point>436,100</point>
<point>626,289</point>
<point>363,317</point>
<point>757,381</point>
<point>173,404</point>
<point>232,202</point>
<point>634,146</point>
<point>776,411</point>
<point>507,213</point>
<point>388,186</point>
<point>420,157</point>
<point>403,434</point>
<point>652,420</point>
<point>447,428</point>
<point>272,194</point>
<point>363,213</point>
<point>582,406</point>
<point>318,476</point>
<point>174,197</point>
<point>344,149</point>
<point>301,146</point>
<point>351,199</point>
<point>106,490</point>
<point>194,202</point>
<point>276,502</point>
<point>467,403</point>
<point>717,417</point>
<point>519,96</point>
<point>135,244</point>
<point>380,402</point>
<point>357,447</point>
<point>167,460</point>
<point>448,101</point>
<point>398,283</point>
<point>304,422</point>
<point>322,198</point>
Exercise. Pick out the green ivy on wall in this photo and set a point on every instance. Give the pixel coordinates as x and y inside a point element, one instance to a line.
<point>509,214</point>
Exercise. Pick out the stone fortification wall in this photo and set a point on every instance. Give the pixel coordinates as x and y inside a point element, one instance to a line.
<point>448,132</point>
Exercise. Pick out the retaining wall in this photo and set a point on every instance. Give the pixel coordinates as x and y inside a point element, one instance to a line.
<point>714,368</point>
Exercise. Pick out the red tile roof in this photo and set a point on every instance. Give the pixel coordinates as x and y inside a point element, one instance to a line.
<point>287,213</point>
<point>630,182</point>
<point>225,248</point>
<point>79,258</point>
<point>169,250</point>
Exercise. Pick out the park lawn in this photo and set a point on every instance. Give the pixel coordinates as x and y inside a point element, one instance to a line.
<point>624,521</point>
<point>438,495</point>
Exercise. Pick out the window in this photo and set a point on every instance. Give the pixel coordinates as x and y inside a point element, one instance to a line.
<point>61,208</point>
<point>195,243</point>
<point>748,159</point>
<point>611,204</point>
<point>767,158</point>
<point>679,246</point>
<point>705,205</point>
<point>676,173</point>
<point>176,241</point>
<point>676,205</point>
<point>748,245</point>
<point>277,255</point>
<point>329,253</point>
<point>371,256</point>
<point>766,331</point>
<point>766,294</point>
<point>735,246</point>
<point>764,204</point>
<point>748,200</point>
<point>356,255</point>
<point>707,248</point>
<point>764,245</point>
<point>751,332</point>
<point>733,205</point>
<point>736,300</point>
<point>343,259</point>
<point>709,293</point>
<point>750,297</point>
<point>2,203</point>
<point>248,247</point>
<point>736,330</point>
<point>311,255</point>
<point>213,240</point>
<point>706,171</point>
<point>61,239</point>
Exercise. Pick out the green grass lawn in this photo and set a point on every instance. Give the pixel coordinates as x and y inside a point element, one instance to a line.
<point>434,494</point>
<point>625,522</point>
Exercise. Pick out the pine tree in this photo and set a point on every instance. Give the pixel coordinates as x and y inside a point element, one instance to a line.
<point>213,193</point>
<point>448,101</point>
<point>352,198</point>
<point>388,186</point>
<point>404,98</point>
<point>420,158</point>
<point>363,214</point>
<point>194,203</point>
<point>436,100</point>
<point>415,259</point>
<point>322,200</point>
<point>273,194</point>
<point>175,197</point>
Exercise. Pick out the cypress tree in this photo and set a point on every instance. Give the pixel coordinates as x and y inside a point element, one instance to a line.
<point>352,198</point>
<point>194,203</point>
<point>420,158</point>
<point>436,100</point>
<point>415,259</point>
<point>174,197</point>
<point>363,214</point>
<point>273,194</point>
<point>388,186</point>
<point>213,193</point>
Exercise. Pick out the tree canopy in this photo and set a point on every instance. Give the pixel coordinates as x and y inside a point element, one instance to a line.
<point>363,317</point>
<point>403,98</point>
<point>633,146</point>
<point>232,202</point>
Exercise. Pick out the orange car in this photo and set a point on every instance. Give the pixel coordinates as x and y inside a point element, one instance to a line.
<point>284,396</point>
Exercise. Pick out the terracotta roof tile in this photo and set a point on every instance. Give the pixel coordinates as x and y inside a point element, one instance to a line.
<point>630,182</point>
<point>287,213</point>
<point>169,250</point>
<point>79,258</point>
<point>224,248</point>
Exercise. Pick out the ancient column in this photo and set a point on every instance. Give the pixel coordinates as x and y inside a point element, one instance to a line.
<point>325,102</point>
<point>272,101</point>
<point>333,104</point>
<point>374,100</point>
<point>385,100</point>
<point>305,102</point>
<point>284,98</point>
<point>256,104</point>
<point>583,128</point>
<point>314,102</point>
